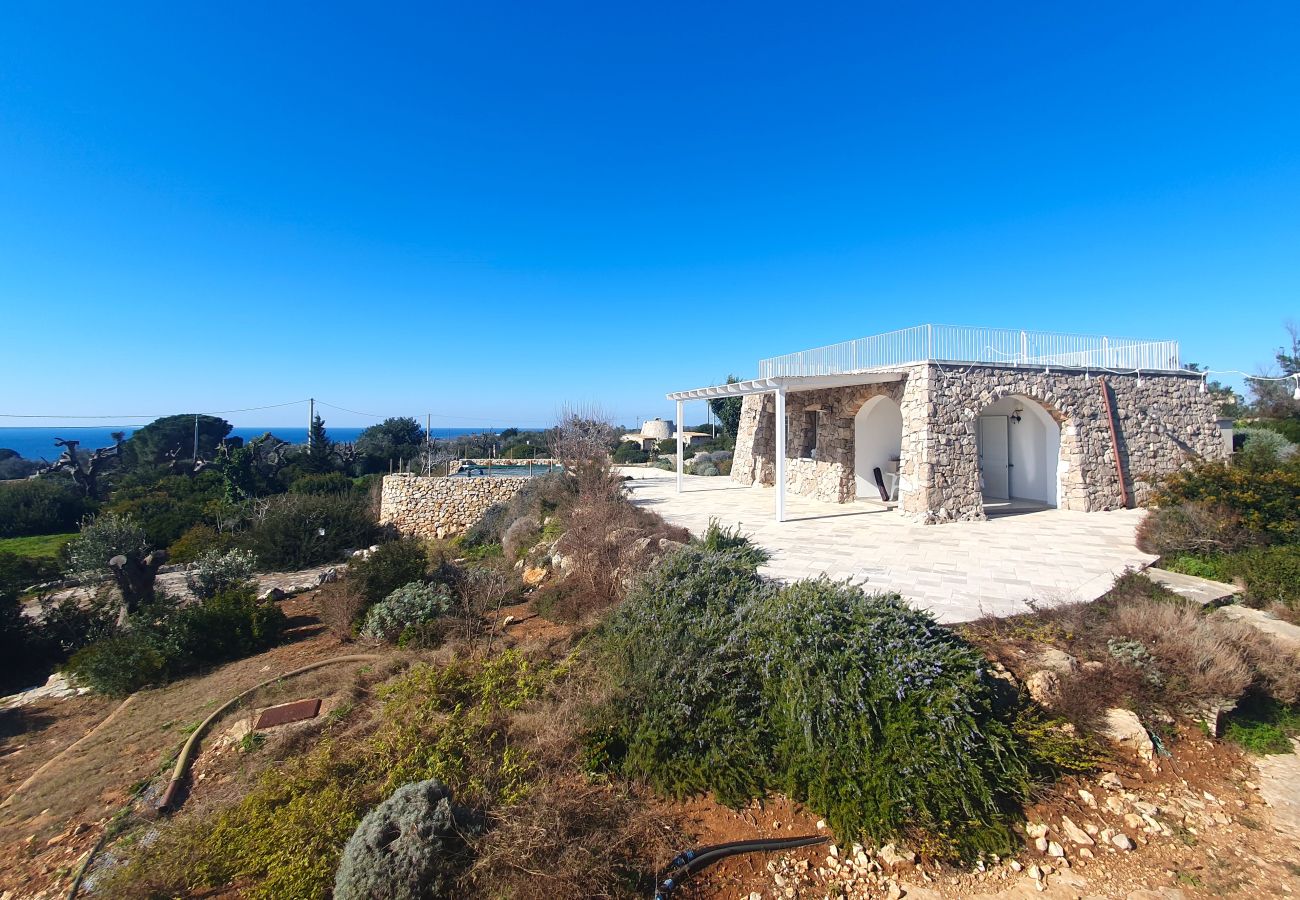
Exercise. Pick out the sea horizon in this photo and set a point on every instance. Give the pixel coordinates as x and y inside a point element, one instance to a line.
<point>37,442</point>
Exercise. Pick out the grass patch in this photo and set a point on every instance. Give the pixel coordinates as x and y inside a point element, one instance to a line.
<point>40,546</point>
<point>1263,726</point>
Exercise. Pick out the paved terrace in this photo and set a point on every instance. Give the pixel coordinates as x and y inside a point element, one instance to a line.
<point>958,571</point>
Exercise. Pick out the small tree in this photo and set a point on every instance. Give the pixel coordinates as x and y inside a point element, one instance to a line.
<point>115,545</point>
<point>172,437</point>
<point>1273,399</point>
<point>583,436</point>
<point>727,409</point>
<point>320,449</point>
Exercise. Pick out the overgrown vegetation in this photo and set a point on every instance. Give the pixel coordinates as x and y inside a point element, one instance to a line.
<point>40,506</point>
<point>896,730</point>
<point>1144,648</point>
<point>1236,521</point>
<point>166,639</point>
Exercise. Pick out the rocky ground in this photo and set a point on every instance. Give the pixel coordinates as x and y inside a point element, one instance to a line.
<point>1200,826</point>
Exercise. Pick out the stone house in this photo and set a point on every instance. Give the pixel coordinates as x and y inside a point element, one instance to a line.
<point>948,423</point>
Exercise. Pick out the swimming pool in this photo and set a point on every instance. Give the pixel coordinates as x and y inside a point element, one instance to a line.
<point>505,471</point>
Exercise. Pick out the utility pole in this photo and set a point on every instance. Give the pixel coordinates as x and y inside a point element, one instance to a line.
<point>196,437</point>
<point>311,420</point>
<point>428,428</point>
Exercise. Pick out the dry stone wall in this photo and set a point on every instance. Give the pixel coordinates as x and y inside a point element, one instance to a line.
<point>428,507</point>
<point>1163,422</point>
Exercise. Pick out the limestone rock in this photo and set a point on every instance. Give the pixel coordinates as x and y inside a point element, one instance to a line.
<point>1123,727</point>
<point>1058,661</point>
<point>1044,687</point>
<point>1123,842</point>
<point>1075,833</point>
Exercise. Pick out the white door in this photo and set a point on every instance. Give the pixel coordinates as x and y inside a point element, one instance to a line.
<point>995,457</point>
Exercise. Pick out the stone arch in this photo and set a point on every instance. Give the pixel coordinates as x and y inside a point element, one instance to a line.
<point>1022,449</point>
<point>877,443</point>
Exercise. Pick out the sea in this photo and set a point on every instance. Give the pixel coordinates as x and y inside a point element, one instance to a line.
<point>38,443</point>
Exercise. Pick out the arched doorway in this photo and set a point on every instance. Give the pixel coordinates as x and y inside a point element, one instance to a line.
<point>877,443</point>
<point>1019,453</point>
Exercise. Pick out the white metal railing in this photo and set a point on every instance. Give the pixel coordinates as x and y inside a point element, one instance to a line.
<point>968,344</point>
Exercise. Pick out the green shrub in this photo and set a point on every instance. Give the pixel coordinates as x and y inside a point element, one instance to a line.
<point>1288,428</point>
<point>1271,575</point>
<point>719,539</point>
<point>894,728</point>
<point>1264,500</point>
<point>18,573</point>
<point>1215,568</point>
<point>169,506</point>
<point>880,719</point>
<point>1262,448</point>
<point>412,604</point>
<point>630,453</point>
<point>689,716</point>
<point>393,565</point>
<point>406,848</point>
<point>197,541</point>
<point>523,533</point>
<point>214,572</point>
<point>1263,726</point>
<point>107,535</point>
<point>40,506</point>
<point>121,663</point>
<point>164,641</point>
<point>229,625</point>
<point>322,483</point>
<point>294,531</point>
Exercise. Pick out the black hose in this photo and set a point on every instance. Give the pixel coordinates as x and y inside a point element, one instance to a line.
<point>691,861</point>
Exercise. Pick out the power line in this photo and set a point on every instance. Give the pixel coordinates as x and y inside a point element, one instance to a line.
<point>357,412</point>
<point>218,412</point>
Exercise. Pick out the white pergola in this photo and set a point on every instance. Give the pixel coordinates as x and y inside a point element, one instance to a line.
<point>780,386</point>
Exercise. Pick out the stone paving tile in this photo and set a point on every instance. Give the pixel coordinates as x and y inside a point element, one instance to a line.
<point>960,571</point>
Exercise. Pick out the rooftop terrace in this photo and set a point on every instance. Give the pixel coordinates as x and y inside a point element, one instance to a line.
<point>970,344</point>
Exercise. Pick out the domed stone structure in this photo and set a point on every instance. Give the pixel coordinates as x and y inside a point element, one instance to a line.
<point>657,429</point>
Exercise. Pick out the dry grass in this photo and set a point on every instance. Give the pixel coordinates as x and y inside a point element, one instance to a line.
<point>1197,528</point>
<point>570,836</point>
<point>608,538</point>
<point>1144,648</point>
<point>339,604</point>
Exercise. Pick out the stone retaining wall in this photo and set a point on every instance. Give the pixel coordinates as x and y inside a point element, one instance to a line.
<point>429,507</point>
<point>1164,422</point>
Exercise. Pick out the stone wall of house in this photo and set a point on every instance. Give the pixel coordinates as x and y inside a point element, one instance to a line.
<point>829,476</point>
<point>1163,422</point>
<point>440,507</point>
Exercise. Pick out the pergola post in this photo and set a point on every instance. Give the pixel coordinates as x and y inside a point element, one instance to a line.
<point>780,453</point>
<point>681,445</point>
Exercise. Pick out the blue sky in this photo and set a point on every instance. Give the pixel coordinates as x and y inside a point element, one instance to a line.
<point>487,210</point>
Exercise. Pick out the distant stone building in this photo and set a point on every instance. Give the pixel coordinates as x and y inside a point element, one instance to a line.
<point>655,430</point>
<point>951,423</point>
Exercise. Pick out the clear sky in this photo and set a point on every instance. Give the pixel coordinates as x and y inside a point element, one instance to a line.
<point>484,210</point>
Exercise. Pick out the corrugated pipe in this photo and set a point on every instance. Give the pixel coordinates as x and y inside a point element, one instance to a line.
<point>690,861</point>
<point>187,752</point>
